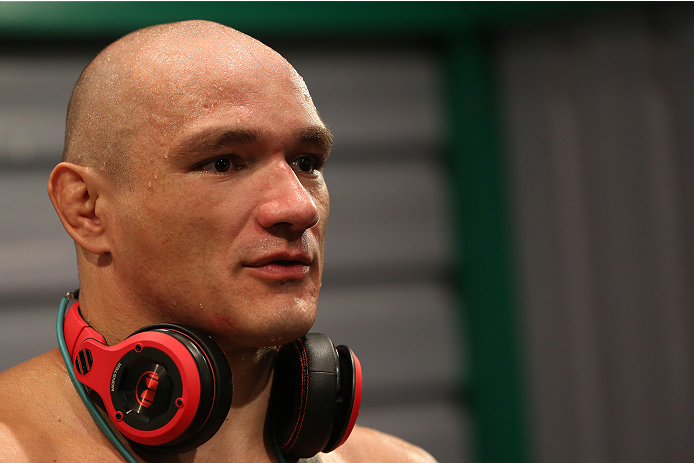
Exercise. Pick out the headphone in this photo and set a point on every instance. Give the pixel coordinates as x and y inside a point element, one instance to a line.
<point>168,387</point>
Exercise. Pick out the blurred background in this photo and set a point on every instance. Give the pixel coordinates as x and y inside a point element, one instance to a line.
<point>510,244</point>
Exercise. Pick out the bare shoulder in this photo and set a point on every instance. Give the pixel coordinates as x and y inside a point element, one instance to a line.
<point>23,387</point>
<point>30,385</point>
<point>368,445</point>
<point>11,449</point>
<point>40,417</point>
<point>22,394</point>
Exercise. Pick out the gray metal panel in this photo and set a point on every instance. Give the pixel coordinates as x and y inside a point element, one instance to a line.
<point>600,115</point>
<point>34,92</point>
<point>36,255</point>
<point>387,216</point>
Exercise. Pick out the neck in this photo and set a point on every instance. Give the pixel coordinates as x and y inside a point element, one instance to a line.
<point>243,436</point>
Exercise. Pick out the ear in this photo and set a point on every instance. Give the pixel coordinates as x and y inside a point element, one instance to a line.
<point>77,196</point>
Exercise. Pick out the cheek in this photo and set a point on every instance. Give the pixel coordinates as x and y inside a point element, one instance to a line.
<point>177,224</point>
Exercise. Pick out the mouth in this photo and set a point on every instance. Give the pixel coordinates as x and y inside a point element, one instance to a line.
<point>287,262</point>
<point>282,267</point>
<point>282,258</point>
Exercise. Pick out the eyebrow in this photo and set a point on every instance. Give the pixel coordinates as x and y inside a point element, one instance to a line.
<point>213,138</point>
<point>317,135</point>
<point>210,140</point>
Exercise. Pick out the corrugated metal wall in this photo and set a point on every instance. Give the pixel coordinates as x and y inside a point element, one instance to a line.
<point>384,291</point>
<point>601,137</point>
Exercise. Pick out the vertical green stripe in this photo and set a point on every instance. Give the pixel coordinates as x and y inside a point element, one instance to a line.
<point>483,271</point>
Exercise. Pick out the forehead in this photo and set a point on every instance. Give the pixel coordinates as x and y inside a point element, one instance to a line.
<point>215,85</point>
<point>184,64</point>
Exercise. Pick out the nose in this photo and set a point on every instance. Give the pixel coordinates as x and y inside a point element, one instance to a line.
<point>287,206</point>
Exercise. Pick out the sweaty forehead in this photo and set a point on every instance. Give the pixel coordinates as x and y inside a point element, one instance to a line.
<point>173,76</point>
<point>188,76</point>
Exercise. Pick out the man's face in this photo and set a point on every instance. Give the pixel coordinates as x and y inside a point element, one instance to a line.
<point>222,223</point>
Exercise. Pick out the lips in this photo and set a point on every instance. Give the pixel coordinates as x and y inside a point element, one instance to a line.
<point>282,258</point>
<point>281,266</point>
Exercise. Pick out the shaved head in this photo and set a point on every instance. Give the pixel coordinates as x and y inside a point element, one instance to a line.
<point>191,151</point>
<point>149,81</point>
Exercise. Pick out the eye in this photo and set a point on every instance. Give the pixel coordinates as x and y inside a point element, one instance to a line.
<point>307,164</point>
<point>217,165</point>
<point>222,165</point>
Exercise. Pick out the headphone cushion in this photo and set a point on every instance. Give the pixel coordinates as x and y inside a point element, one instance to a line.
<point>304,395</point>
<point>350,398</point>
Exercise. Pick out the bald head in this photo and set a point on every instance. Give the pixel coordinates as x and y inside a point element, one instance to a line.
<point>149,82</point>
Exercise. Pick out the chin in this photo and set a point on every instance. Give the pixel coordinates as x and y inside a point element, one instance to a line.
<point>275,327</point>
<point>288,328</point>
<point>268,338</point>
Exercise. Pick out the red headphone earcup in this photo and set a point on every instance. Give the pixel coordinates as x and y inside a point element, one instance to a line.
<point>304,396</point>
<point>216,388</point>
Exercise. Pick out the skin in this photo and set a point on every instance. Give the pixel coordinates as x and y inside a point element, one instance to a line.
<point>192,185</point>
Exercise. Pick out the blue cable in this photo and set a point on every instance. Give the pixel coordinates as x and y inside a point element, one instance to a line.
<point>80,387</point>
<point>273,435</point>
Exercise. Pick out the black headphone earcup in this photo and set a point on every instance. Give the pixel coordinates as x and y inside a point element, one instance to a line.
<point>216,387</point>
<point>305,395</point>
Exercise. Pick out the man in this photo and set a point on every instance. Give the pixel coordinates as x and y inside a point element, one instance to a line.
<point>192,186</point>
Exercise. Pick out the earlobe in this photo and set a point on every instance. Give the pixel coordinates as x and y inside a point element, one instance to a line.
<point>75,193</point>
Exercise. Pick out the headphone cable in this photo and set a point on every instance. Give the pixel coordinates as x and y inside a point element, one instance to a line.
<point>273,436</point>
<point>79,387</point>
